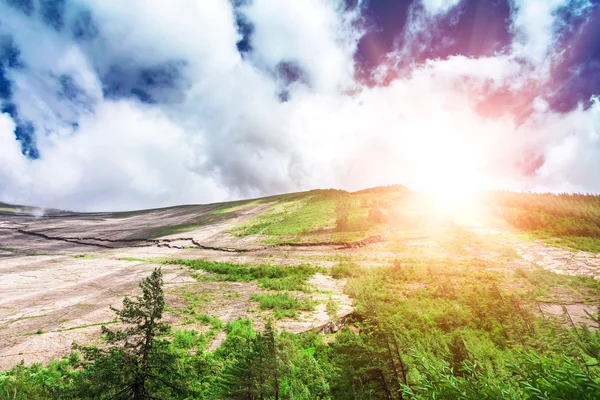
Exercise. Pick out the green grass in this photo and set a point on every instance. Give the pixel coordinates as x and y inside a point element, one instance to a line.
<point>565,220</point>
<point>345,269</point>
<point>82,256</point>
<point>548,286</point>
<point>332,308</point>
<point>170,230</point>
<point>312,217</point>
<point>195,309</point>
<point>270,277</point>
<point>283,304</point>
<point>235,206</point>
<point>583,243</point>
<point>133,259</point>
<point>187,339</point>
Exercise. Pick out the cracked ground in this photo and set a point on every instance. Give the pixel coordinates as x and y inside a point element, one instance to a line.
<point>60,273</point>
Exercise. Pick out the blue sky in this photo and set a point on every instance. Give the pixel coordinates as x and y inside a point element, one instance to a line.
<point>112,105</point>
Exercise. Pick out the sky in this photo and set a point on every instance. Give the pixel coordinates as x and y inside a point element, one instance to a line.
<point>121,105</point>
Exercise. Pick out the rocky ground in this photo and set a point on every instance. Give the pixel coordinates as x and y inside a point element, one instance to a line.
<point>60,272</point>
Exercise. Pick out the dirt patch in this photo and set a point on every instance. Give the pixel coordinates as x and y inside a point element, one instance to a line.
<point>47,302</point>
<point>50,300</point>
<point>570,312</point>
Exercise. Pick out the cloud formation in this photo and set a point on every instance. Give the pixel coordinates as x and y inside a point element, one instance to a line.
<point>112,105</point>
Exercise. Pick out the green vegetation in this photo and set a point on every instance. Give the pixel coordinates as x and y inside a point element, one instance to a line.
<point>283,304</point>
<point>269,277</point>
<point>323,215</point>
<point>332,308</point>
<point>345,269</point>
<point>194,312</point>
<point>133,259</point>
<point>235,206</point>
<point>170,230</point>
<point>82,256</point>
<point>422,329</point>
<point>571,220</point>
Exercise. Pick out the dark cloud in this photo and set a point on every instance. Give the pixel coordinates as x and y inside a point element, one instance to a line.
<point>53,13</point>
<point>24,131</point>
<point>9,53</point>
<point>154,103</point>
<point>384,21</point>
<point>70,91</point>
<point>474,28</point>
<point>575,75</point>
<point>84,27</point>
<point>149,84</point>
<point>25,134</point>
<point>5,85</point>
<point>25,6</point>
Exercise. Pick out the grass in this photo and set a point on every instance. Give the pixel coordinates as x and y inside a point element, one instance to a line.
<point>283,304</point>
<point>170,230</point>
<point>86,326</point>
<point>345,269</point>
<point>235,206</point>
<point>312,217</point>
<point>332,308</point>
<point>270,277</point>
<point>544,286</point>
<point>565,220</point>
<point>583,243</point>
<point>133,259</point>
<point>188,339</point>
<point>194,311</point>
<point>82,256</point>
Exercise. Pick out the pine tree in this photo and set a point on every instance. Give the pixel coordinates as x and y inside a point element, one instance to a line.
<point>137,364</point>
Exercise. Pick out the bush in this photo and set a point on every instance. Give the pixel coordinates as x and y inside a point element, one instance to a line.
<point>283,304</point>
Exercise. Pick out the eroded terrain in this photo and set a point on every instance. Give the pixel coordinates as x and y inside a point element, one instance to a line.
<point>59,273</point>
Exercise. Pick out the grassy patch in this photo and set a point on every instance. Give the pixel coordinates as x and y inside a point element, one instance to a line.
<point>332,308</point>
<point>565,220</point>
<point>82,256</point>
<point>170,230</point>
<point>235,206</point>
<point>313,217</point>
<point>187,339</point>
<point>551,287</point>
<point>132,259</point>
<point>271,277</point>
<point>283,304</point>
<point>583,243</point>
<point>86,326</point>
<point>345,269</point>
<point>194,311</point>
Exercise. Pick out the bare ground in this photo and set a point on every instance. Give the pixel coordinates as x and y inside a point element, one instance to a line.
<point>59,274</point>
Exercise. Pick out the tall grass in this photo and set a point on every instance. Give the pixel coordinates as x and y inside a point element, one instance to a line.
<point>283,304</point>
<point>271,277</point>
<point>573,219</point>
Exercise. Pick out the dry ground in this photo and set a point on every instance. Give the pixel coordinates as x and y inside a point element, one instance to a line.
<point>60,273</point>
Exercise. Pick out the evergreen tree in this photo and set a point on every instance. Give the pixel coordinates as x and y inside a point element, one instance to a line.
<point>137,364</point>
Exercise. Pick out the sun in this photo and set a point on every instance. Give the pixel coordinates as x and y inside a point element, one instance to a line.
<point>450,170</point>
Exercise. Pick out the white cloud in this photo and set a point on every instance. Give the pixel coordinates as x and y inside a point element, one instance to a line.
<point>533,23</point>
<point>440,6</point>
<point>227,135</point>
<point>313,33</point>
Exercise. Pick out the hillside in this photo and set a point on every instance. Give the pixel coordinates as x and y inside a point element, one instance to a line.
<point>381,293</point>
